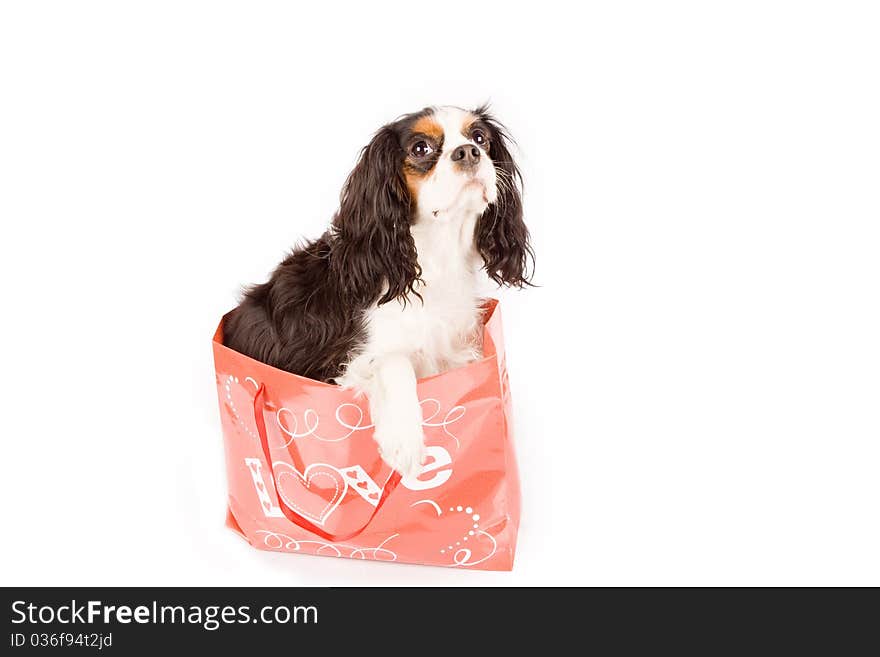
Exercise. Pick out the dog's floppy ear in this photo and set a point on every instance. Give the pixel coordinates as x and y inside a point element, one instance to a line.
<point>373,244</point>
<point>501,235</point>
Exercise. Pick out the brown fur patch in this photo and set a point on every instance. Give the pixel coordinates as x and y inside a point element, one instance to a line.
<point>414,179</point>
<point>428,126</point>
<point>468,122</point>
<point>425,125</point>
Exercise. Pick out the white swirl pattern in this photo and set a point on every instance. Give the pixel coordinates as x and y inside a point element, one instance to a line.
<point>446,421</point>
<point>290,424</point>
<point>464,559</point>
<point>282,542</point>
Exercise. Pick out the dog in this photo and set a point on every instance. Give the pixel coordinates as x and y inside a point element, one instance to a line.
<point>391,292</point>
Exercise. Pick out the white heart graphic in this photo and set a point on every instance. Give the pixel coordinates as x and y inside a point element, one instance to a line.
<point>296,490</point>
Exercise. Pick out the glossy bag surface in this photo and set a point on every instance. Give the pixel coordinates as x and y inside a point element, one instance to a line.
<point>305,475</point>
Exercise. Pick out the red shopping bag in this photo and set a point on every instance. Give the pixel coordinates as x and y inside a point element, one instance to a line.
<point>305,474</point>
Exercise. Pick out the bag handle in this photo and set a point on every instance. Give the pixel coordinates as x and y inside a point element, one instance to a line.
<point>298,520</point>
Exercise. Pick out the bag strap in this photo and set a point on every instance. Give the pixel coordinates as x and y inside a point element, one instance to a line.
<point>296,519</point>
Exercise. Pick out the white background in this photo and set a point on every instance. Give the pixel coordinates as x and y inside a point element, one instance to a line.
<point>696,382</point>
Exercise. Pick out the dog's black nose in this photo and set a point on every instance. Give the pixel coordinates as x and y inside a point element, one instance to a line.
<point>467,155</point>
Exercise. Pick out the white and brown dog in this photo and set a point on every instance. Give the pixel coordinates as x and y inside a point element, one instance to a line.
<point>391,292</point>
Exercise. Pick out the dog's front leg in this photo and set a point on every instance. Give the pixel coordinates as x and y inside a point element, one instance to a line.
<point>397,415</point>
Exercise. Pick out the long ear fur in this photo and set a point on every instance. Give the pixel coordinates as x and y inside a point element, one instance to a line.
<point>501,234</point>
<point>373,245</point>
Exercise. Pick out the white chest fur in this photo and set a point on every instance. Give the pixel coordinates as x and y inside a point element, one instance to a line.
<point>442,330</point>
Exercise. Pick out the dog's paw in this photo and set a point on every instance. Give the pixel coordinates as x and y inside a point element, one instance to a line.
<point>403,450</point>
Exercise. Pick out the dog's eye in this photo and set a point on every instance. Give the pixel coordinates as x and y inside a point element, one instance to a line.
<point>479,137</point>
<point>421,149</point>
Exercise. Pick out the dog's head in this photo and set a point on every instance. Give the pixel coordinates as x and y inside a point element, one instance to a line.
<point>428,166</point>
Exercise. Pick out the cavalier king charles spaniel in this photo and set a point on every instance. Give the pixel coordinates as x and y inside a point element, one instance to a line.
<point>391,292</point>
